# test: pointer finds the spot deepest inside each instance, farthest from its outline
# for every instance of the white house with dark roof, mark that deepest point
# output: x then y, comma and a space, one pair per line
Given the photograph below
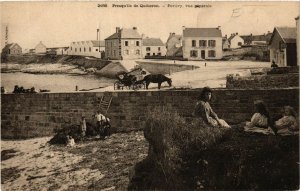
124, 44
282, 46
202, 43
40, 48
87, 48
153, 47
235, 41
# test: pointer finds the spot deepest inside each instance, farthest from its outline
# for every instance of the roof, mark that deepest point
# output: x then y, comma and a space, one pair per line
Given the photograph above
9, 46
288, 34
249, 38
96, 43
152, 42
125, 33
202, 32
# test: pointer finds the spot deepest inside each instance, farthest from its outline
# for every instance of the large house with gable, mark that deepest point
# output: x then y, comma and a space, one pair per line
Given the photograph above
124, 44
202, 43
174, 45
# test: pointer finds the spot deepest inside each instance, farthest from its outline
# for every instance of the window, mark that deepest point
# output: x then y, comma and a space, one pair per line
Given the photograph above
148, 48
158, 48
71, 47
148, 54
90, 49
137, 43
79, 49
194, 53
211, 43
193, 43
153, 54
114, 52
84, 49
240, 43
159, 54
211, 53
75, 49
137, 52
202, 43
126, 43
96, 50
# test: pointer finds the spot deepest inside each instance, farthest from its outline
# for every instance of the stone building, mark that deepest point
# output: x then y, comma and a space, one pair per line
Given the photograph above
40, 48
202, 43
124, 44
12, 49
92, 48
153, 47
282, 46
174, 45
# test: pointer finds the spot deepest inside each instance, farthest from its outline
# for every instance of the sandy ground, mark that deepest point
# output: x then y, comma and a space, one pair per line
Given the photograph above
92, 164
213, 75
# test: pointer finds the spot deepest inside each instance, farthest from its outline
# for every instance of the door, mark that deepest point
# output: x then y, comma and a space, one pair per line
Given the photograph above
203, 54
291, 54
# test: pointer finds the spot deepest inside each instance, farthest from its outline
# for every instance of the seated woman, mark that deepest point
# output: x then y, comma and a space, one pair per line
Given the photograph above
260, 121
205, 112
287, 125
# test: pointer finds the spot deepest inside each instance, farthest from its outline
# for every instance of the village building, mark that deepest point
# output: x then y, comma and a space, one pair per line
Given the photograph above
92, 48
40, 48
153, 47
12, 49
225, 42
298, 40
257, 40
174, 45
124, 44
283, 46
202, 43
235, 41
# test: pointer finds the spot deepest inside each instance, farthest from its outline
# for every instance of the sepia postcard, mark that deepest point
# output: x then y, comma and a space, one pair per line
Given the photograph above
149, 95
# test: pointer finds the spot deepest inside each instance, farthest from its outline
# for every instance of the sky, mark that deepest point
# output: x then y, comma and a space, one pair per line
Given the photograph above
59, 23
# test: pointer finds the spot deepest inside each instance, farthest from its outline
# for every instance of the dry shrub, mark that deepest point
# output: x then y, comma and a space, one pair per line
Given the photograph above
172, 138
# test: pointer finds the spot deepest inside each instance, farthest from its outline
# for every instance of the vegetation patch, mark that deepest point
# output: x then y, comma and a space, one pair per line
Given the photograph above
189, 155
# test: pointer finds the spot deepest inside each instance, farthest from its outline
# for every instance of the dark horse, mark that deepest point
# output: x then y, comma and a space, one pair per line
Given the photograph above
157, 78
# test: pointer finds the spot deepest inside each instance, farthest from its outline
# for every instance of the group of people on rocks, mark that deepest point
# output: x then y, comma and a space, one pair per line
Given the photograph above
21, 89
261, 121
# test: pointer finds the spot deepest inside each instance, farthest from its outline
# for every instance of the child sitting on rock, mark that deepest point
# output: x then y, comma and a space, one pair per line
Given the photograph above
287, 125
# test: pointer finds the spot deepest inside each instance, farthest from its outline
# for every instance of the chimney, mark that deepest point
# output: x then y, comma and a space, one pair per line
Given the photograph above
117, 29
236, 33
183, 28
134, 28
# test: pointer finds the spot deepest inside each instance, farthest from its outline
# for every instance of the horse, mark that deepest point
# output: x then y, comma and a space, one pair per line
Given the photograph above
157, 78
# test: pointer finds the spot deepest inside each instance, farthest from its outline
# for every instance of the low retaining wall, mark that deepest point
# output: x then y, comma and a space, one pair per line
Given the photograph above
29, 115
164, 68
263, 81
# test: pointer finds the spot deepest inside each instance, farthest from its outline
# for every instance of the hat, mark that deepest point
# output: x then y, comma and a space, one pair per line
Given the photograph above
290, 109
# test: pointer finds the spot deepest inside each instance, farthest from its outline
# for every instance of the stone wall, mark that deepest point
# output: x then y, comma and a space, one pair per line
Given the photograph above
263, 81
38, 114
